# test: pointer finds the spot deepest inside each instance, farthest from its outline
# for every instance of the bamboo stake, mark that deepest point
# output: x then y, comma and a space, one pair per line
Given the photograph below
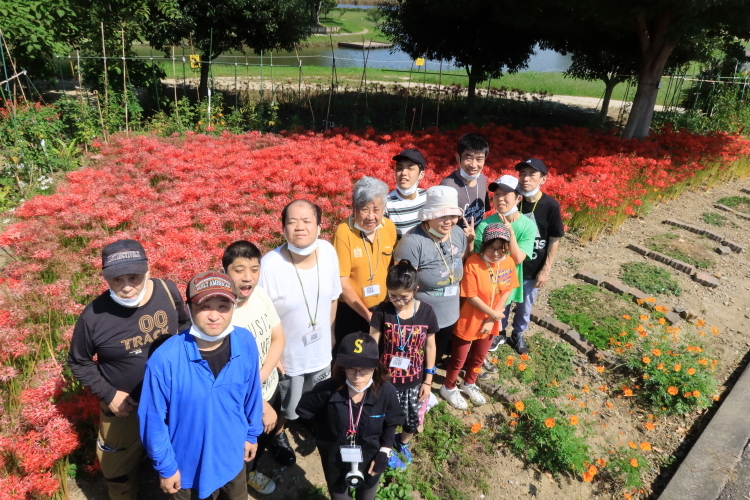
440, 81
101, 117
106, 81
125, 84
174, 76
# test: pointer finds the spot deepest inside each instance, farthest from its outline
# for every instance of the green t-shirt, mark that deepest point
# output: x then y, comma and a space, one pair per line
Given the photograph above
525, 231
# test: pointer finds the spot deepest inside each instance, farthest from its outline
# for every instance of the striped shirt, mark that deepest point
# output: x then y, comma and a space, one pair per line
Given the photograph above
404, 213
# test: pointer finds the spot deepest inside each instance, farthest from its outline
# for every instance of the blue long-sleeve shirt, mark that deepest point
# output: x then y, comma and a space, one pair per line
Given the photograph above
194, 422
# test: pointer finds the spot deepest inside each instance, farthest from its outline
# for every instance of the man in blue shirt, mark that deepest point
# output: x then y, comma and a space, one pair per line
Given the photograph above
201, 407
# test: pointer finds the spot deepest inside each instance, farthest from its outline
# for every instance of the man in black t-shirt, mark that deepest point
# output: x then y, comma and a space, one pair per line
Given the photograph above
121, 328
545, 212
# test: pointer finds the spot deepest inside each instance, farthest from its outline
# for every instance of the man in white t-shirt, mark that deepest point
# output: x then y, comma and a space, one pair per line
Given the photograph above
405, 202
255, 312
302, 279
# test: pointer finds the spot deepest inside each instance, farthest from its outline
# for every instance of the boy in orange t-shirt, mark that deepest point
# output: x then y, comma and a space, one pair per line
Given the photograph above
489, 278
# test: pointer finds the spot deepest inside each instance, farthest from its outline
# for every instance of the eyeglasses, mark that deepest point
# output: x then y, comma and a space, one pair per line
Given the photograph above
359, 370
400, 300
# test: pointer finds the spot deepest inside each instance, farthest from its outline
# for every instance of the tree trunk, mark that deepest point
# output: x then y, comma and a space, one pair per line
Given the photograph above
655, 50
609, 87
471, 96
205, 70
315, 13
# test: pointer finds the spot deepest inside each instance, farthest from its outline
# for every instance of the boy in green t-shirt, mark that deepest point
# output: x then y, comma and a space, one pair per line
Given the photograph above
505, 198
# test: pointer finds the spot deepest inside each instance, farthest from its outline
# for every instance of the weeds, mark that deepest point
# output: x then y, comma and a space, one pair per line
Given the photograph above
741, 203
649, 278
714, 219
678, 248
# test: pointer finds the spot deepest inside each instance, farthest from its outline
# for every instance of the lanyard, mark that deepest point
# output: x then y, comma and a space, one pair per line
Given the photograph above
453, 258
367, 251
494, 280
402, 347
353, 426
533, 208
468, 197
313, 320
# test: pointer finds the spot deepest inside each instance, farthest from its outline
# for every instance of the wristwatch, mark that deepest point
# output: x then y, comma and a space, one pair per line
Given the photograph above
431, 371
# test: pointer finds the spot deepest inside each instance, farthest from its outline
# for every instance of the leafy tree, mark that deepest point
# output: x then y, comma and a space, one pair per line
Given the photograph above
659, 29
478, 35
36, 30
218, 26
326, 6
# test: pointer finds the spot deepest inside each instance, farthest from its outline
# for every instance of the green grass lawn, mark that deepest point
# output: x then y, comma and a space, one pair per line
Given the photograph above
348, 21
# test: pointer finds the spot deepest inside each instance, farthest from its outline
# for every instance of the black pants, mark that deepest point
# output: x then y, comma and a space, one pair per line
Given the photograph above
442, 339
360, 494
236, 489
264, 438
348, 321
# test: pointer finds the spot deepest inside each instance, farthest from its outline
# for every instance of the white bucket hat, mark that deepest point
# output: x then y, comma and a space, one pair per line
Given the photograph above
441, 201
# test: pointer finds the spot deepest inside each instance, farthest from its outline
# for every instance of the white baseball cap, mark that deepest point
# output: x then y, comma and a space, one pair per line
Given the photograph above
507, 183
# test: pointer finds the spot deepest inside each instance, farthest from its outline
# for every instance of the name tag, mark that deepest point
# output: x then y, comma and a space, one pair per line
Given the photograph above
351, 454
399, 362
312, 337
369, 291
450, 291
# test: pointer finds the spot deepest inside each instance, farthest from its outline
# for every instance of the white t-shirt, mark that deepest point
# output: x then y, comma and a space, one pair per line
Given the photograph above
259, 316
307, 349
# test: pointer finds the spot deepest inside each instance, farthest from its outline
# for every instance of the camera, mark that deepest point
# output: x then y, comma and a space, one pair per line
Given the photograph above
354, 478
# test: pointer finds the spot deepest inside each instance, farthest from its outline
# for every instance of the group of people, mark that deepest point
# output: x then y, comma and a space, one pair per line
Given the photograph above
345, 337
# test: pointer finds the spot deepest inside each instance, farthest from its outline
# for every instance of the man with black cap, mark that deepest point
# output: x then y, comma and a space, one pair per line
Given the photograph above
405, 202
122, 327
505, 197
201, 409
354, 416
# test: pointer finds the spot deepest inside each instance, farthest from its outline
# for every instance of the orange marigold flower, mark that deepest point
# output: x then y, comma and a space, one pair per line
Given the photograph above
646, 376
601, 462
632, 445
661, 309
550, 423
660, 366
715, 330
688, 394
494, 361
650, 299
672, 390
571, 397
644, 317
627, 392
509, 362
525, 357
514, 414
639, 302
554, 382
713, 363
573, 420
656, 352
585, 389
677, 367
645, 446
588, 477
662, 321
628, 345
513, 423
696, 394
603, 388
476, 427
649, 426
634, 462
478, 369
703, 361
625, 316
609, 405
627, 496
522, 366
691, 371
519, 405
643, 333
600, 369
646, 359
593, 470
700, 323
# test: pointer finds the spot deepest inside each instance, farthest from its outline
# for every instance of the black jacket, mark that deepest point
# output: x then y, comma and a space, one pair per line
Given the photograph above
328, 410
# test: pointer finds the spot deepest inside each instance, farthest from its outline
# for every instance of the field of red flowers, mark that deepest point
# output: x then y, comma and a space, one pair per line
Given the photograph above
186, 198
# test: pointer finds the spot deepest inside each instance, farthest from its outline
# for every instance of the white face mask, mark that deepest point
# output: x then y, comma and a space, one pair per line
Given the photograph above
435, 233
357, 226
130, 302
511, 212
410, 191
532, 192
309, 249
359, 391
195, 332
467, 176
487, 259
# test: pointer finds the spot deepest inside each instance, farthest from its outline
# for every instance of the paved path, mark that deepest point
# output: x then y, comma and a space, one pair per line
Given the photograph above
342, 34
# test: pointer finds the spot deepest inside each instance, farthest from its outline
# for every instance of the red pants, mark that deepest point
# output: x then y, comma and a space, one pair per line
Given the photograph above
460, 350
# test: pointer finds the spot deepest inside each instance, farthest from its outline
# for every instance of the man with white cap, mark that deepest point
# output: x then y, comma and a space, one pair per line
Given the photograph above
302, 279
121, 328
437, 248
201, 408
505, 197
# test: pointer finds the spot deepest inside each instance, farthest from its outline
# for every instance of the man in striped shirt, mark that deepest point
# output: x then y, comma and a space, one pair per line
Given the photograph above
407, 199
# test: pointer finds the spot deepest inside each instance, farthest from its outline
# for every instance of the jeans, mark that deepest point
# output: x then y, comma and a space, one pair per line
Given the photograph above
522, 316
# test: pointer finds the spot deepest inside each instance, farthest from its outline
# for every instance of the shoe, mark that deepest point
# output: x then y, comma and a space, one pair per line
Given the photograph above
394, 462
488, 365
282, 451
497, 341
519, 344
473, 392
484, 376
403, 450
454, 398
260, 482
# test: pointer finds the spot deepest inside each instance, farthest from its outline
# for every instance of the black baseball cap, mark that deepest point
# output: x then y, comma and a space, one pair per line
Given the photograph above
534, 163
411, 155
123, 257
358, 350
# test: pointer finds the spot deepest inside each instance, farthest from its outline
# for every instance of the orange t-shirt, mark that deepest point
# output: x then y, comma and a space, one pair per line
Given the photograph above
477, 282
